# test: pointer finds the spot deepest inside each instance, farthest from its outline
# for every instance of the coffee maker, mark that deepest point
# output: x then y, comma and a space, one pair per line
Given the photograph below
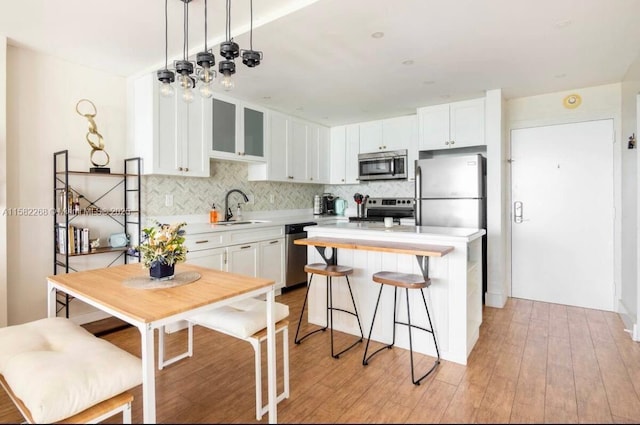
328, 204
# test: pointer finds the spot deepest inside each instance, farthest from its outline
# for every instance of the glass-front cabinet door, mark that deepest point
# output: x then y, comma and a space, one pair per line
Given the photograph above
238, 130
224, 127
253, 132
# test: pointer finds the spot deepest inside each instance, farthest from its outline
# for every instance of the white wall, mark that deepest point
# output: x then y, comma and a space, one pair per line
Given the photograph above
42, 92
598, 102
3, 182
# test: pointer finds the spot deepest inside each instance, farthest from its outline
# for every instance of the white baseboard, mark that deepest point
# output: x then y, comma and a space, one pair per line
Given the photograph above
495, 300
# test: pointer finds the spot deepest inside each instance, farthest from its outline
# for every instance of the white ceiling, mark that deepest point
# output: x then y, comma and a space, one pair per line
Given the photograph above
321, 62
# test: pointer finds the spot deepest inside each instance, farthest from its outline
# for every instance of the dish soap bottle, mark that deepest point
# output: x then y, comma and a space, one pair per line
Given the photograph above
239, 213
213, 214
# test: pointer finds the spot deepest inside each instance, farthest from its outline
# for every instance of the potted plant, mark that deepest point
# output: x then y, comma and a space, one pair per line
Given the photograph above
162, 247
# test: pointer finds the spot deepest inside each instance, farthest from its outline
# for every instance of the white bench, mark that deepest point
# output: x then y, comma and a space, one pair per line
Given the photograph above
56, 371
245, 320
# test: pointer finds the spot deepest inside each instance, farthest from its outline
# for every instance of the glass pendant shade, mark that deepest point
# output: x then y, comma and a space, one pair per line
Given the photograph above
166, 77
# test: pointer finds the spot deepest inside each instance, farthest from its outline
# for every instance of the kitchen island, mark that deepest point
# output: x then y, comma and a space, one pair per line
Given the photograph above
454, 297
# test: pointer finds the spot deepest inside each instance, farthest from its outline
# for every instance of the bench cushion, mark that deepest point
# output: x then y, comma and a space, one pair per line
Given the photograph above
58, 369
241, 319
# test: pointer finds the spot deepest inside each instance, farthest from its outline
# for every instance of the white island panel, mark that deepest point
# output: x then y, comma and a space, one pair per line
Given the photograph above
454, 297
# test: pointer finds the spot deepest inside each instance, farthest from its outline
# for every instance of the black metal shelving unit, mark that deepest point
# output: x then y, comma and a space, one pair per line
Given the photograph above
128, 217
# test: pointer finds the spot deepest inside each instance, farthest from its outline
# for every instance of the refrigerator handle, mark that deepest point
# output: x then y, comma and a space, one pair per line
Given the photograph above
418, 195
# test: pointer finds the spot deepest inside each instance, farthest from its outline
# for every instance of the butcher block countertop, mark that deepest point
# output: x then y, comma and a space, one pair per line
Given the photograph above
370, 245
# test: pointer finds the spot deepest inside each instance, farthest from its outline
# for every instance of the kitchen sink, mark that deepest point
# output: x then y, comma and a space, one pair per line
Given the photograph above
233, 223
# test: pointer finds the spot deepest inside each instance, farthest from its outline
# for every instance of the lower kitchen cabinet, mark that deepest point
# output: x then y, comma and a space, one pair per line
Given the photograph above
261, 253
243, 259
271, 260
210, 258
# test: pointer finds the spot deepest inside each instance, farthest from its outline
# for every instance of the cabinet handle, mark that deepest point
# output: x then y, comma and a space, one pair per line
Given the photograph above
272, 242
342, 180
310, 178
245, 247
452, 142
239, 153
224, 257
384, 147
179, 168
290, 177
446, 143
202, 241
186, 169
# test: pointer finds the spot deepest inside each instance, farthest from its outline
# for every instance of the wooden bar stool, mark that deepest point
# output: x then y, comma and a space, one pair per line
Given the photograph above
406, 281
330, 271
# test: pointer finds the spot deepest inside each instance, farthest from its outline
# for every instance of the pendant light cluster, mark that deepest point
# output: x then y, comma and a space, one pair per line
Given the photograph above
204, 71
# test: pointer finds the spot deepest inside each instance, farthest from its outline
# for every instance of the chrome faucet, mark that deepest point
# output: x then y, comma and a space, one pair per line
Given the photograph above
227, 210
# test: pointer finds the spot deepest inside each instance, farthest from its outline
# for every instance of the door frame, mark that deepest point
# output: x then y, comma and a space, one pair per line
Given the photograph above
615, 115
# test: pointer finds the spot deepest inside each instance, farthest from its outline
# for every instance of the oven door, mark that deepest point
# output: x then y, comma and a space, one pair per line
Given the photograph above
382, 168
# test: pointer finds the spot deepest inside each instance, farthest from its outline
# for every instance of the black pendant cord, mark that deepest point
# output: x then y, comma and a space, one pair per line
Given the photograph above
205, 26
228, 23
185, 43
166, 35
251, 25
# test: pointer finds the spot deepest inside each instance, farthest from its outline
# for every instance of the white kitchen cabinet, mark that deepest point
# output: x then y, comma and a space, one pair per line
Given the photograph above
371, 137
453, 125
317, 154
298, 152
255, 252
388, 134
344, 149
243, 259
211, 258
271, 260
170, 135
238, 130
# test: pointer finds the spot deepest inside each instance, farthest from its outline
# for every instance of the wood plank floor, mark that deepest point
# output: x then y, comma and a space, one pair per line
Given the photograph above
534, 363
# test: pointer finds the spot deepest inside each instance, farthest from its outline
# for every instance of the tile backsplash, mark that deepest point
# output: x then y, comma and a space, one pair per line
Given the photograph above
194, 195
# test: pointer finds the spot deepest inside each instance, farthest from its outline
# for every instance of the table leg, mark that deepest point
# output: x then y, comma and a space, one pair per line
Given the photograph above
51, 300
271, 357
148, 376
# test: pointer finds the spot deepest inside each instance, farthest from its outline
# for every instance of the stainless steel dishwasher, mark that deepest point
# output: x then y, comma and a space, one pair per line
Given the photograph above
295, 255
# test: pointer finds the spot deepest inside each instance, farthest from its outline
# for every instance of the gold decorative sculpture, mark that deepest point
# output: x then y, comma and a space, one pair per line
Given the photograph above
94, 138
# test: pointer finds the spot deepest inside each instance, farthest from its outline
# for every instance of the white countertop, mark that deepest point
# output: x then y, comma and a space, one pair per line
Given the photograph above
196, 224
373, 230
278, 220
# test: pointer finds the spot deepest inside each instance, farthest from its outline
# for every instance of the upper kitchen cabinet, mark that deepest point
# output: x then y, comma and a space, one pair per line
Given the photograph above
389, 134
345, 146
171, 136
238, 131
371, 137
297, 152
453, 125
317, 154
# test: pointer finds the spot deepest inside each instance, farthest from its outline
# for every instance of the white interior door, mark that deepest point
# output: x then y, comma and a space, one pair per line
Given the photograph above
562, 214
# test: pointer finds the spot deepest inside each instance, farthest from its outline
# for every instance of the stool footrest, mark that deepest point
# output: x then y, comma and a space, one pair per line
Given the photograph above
298, 341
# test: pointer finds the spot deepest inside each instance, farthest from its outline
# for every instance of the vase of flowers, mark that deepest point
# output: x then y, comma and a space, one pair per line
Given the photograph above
162, 247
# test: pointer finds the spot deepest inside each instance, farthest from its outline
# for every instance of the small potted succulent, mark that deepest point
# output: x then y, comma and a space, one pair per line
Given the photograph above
162, 247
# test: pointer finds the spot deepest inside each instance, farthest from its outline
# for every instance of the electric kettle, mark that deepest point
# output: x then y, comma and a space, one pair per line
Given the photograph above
340, 206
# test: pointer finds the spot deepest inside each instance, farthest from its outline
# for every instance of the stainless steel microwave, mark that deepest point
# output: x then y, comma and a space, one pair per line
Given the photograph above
389, 165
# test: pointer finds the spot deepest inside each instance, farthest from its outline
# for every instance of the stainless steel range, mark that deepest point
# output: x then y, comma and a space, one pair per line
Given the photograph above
376, 209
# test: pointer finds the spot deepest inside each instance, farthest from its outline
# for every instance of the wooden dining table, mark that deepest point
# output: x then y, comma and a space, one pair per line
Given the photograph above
150, 309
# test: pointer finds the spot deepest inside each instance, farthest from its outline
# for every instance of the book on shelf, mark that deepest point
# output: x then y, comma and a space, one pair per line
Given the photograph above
78, 239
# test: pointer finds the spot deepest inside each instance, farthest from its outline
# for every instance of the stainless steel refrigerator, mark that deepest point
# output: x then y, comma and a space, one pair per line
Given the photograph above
451, 192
